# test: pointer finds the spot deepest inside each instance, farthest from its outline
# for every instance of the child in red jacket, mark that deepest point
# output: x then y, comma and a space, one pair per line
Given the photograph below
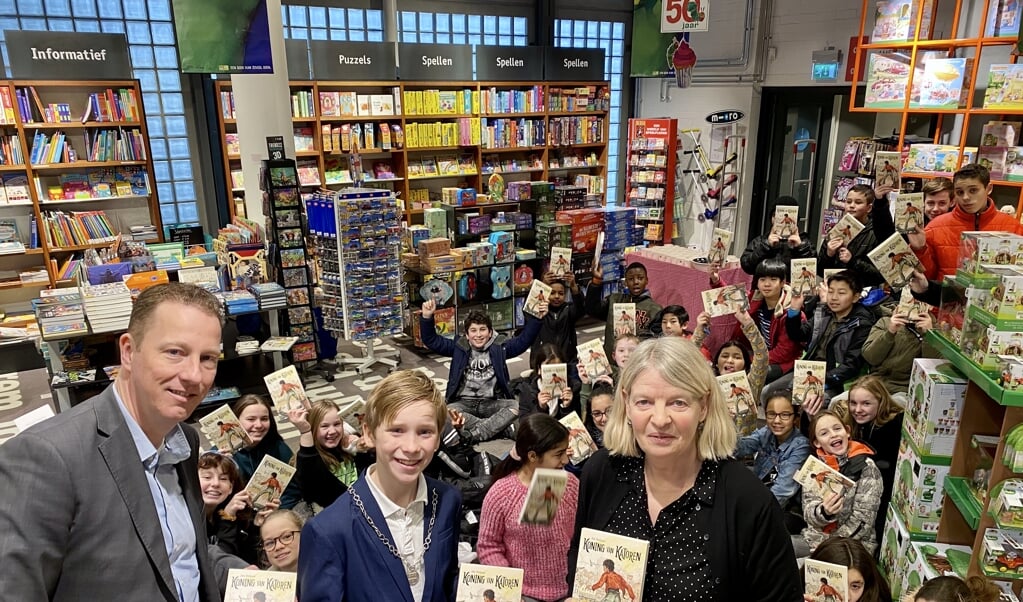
767, 307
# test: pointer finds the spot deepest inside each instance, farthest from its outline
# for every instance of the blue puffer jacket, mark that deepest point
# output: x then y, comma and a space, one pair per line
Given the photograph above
458, 350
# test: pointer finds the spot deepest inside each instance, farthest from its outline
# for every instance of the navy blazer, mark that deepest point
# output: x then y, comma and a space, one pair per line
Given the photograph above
341, 557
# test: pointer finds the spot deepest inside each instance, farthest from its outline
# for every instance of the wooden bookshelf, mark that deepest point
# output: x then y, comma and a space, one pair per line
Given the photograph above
534, 160
971, 44
74, 96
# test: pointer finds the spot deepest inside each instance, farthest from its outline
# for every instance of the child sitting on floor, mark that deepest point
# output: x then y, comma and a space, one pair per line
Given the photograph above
478, 384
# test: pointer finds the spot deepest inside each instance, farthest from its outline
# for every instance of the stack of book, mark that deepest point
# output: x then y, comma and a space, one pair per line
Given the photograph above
239, 302
107, 306
246, 345
60, 313
270, 295
146, 232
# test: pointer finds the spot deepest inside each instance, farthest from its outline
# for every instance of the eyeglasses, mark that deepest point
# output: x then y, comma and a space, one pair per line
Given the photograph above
283, 538
782, 415
598, 415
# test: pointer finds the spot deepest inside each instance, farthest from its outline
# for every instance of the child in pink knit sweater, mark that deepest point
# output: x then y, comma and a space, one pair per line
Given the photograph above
541, 551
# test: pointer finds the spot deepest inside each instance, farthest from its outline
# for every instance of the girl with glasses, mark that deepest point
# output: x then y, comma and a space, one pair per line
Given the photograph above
281, 535
778, 450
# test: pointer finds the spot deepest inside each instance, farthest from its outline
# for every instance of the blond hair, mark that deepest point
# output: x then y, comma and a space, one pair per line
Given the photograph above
887, 409
317, 414
681, 365
400, 390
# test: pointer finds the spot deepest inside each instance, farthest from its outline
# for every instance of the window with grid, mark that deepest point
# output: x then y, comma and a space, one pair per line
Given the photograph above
326, 23
458, 28
609, 35
154, 59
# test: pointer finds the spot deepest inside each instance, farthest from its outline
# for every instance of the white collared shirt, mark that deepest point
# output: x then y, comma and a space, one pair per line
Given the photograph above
407, 527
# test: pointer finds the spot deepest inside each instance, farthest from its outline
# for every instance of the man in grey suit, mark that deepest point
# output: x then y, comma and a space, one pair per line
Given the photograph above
102, 502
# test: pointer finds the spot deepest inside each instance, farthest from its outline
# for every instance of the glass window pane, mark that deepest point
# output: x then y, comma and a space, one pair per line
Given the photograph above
284, 15
151, 102
408, 21
458, 23
317, 16
356, 35
154, 122
443, 22
141, 56
184, 191
490, 40
112, 26
188, 213
170, 81
182, 169
7, 23
504, 40
147, 80
165, 190
176, 126
338, 35
162, 170
356, 18
109, 9
337, 17
375, 36
475, 24
319, 34
169, 211
133, 9
87, 25
426, 37
425, 22
159, 10
33, 24
409, 37
158, 146
163, 33
298, 33
375, 20
173, 103
166, 57
443, 38
82, 8
459, 38
30, 7
58, 8
489, 24
178, 148
297, 16
138, 33
61, 25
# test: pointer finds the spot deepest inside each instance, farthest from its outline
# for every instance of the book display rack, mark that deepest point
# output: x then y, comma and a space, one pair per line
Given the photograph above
651, 176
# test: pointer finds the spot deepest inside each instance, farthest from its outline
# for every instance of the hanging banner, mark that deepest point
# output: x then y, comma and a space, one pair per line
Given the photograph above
684, 15
652, 47
223, 36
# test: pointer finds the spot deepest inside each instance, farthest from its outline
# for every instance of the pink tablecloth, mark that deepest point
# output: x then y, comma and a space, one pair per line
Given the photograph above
674, 284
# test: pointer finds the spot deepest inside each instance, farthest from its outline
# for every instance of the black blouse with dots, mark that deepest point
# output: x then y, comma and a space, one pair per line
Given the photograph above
678, 568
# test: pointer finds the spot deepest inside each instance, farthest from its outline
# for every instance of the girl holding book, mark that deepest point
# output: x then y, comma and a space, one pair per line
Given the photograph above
866, 584
851, 512
256, 416
326, 463
229, 518
533, 399
393, 535
540, 550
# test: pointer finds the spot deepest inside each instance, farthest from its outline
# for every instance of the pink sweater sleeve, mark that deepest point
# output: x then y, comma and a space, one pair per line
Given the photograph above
496, 509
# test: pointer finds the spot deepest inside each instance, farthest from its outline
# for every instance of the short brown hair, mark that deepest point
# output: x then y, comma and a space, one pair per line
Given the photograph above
936, 185
973, 171
866, 190
172, 292
217, 461
399, 390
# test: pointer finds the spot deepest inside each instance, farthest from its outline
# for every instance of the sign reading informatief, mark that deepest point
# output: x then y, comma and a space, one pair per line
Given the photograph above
509, 63
353, 61
67, 55
574, 64
434, 62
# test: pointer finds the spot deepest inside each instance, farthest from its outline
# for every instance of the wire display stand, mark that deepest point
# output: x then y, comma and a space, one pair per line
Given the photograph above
710, 182
358, 238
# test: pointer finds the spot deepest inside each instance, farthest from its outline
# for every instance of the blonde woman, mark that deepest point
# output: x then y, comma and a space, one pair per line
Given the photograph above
715, 531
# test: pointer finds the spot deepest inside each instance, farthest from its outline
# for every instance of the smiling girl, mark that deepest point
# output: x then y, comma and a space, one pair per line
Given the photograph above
848, 514
226, 506
866, 584
256, 416
326, 466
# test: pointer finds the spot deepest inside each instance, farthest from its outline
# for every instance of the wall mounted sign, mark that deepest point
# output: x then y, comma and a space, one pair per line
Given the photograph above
723, 117
509, 63
424, 62
353, 61
68, 55
574, 64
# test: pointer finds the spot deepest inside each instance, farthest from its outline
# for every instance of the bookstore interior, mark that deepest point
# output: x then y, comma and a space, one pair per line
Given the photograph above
472, 178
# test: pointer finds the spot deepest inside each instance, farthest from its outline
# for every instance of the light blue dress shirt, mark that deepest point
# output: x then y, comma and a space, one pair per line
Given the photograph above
169, 499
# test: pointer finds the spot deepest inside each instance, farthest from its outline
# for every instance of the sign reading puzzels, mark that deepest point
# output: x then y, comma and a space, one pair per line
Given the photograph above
509, 63
67, 55
353, 61
434, 62
574, 64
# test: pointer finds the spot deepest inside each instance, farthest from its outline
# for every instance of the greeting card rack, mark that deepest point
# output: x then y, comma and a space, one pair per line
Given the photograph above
289, 264
358, 241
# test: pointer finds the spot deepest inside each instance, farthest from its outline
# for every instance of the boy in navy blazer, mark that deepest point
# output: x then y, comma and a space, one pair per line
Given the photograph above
394, 534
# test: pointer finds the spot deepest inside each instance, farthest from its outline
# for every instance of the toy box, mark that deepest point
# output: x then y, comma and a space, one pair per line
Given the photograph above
1007, 504
1014, 164
1010, 372
1000, 133
1002, 554
433, 247
929, 560
1006, 299
894, 550
436, 220
919, 490
504, 246
1004, 87
895, 20
482, 253
414, 234
994, 159
978, 248
931, 158
984, 344
936, 394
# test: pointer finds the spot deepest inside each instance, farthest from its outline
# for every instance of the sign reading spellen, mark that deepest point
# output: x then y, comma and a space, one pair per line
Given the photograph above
509, 63
67, 55
353, 61
574, 64
433, 62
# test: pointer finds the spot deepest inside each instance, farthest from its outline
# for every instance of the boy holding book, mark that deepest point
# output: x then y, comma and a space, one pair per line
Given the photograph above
478, 382
394, 534
635, 292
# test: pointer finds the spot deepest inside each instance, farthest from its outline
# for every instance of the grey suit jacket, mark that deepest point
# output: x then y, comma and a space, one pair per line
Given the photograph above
77, 519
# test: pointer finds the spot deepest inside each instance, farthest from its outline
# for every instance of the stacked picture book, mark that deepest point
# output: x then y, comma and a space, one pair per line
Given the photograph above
107, 306
239, 302
270, 295
60, 313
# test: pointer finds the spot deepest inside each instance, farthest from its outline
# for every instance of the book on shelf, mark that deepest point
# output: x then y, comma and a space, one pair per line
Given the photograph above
945, 83
1003, 19
232, 144
7, 116
309, 173
302, 104
1004, 87
609, 564
304, 140
227, 109
895, 20
71, 228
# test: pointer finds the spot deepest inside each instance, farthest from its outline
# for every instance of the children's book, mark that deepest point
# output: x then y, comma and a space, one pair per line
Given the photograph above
909, 308
725, 300
546, 489
553, 380
353, 412
887, 169
909, 211
815, 475
825, 582
224, 430
591, 354
803, 276
720, 242
561, 261
741, 402
286, 389
624, 318
489, 583
580, 444
609, 563
785, 222
895, 260
942, 83
269, 481
831, 272
278, 344
430, 166
847, 228
245, 585
539, 293
807, 380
